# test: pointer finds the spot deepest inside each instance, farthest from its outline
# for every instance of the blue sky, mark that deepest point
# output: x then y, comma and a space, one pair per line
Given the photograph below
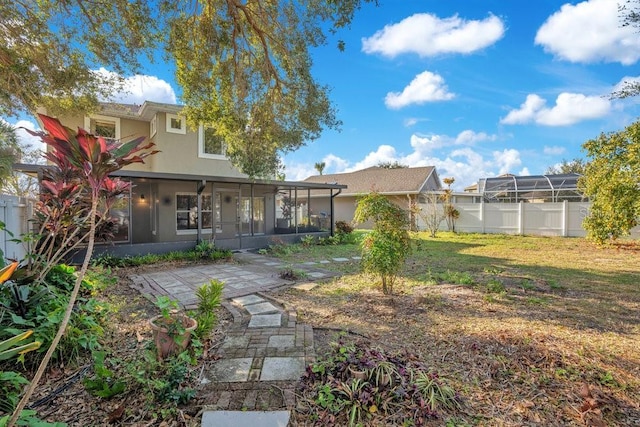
475, 88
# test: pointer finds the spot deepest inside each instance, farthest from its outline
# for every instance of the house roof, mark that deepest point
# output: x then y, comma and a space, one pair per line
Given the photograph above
146, 111
383, 180
34, 169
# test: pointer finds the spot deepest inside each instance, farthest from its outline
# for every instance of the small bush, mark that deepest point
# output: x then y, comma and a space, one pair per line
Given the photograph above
344, 227
209, 297
290, 273
307, 240
208, 250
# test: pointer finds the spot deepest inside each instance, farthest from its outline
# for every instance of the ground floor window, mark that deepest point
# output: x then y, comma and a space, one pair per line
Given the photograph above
257, 220
187, 211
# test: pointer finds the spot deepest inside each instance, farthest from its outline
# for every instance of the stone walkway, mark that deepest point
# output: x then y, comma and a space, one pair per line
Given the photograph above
265, 351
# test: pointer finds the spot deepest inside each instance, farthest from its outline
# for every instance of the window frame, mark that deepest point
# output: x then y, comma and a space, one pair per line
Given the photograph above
201, 153
153, 126
207, 230
182, 130
89, 121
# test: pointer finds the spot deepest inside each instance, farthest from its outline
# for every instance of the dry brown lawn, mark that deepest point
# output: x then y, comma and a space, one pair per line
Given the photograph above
529, 330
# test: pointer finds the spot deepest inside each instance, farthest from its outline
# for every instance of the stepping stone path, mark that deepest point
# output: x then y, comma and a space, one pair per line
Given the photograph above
258, 364
260, 361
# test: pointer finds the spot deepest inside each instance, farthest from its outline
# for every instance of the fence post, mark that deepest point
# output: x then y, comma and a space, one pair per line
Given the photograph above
521, 217
482, 215
565, 218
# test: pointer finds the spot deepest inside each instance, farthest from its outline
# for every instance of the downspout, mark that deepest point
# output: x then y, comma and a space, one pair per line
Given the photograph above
332, 210
201, 187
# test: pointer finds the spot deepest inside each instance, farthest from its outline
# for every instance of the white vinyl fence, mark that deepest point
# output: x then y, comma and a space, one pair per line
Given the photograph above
543, 219
15, 213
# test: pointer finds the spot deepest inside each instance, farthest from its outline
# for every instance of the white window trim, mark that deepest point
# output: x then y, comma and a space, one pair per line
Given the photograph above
191, 230
153, 126
201, 152
183, 128
87, 123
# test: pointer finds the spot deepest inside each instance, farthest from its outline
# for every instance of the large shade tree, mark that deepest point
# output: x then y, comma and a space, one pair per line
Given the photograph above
244, 66
612, 183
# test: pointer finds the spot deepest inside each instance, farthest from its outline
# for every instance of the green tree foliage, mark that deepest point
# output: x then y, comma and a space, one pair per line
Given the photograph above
319, 166
612, 183
9, 150
576, 165
244, 66
48, 50
385, 249
392, 165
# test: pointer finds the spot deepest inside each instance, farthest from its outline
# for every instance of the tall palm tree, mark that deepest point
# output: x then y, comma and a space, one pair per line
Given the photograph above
320, 167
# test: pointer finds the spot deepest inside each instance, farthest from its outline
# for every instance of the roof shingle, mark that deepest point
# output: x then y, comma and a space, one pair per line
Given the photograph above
382, 180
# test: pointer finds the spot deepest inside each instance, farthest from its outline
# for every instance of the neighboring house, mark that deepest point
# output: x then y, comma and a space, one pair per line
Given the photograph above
190, 191
404, 186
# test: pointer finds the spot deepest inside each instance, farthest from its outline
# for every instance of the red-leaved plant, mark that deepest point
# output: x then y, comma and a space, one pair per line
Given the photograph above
76, 197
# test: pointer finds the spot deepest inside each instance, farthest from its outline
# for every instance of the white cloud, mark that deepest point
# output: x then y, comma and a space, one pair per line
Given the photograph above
384, 153
140, 88
427, 35
469, 137
590, 31
463, 163
506, 160
527, 111
335, 163
553, 151
412, 121
570, 108
24, 137
425, 87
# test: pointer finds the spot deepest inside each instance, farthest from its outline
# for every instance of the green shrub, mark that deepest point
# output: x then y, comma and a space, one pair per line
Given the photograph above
385, 249
209, 297
307, 240
343, 227
208, 250
41, 308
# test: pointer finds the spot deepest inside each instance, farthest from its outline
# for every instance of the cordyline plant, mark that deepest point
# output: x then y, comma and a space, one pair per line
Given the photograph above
77, 197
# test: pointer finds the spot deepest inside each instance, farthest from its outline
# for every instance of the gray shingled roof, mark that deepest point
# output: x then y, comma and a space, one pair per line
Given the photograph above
382, 180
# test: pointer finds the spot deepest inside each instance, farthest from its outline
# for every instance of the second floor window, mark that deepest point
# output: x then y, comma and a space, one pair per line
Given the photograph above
211, 145
176, 124
104, 126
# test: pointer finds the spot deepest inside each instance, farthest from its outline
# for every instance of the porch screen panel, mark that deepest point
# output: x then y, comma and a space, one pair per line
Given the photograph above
120, 216
258, 215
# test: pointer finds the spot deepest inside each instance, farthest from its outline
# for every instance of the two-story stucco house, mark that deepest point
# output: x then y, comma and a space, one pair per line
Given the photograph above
191, 192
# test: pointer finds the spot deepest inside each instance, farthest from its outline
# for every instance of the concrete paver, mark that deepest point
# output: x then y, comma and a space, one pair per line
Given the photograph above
282, 368
245, 419
281, 341
265, 321
231, 370
261, 308
265, 347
